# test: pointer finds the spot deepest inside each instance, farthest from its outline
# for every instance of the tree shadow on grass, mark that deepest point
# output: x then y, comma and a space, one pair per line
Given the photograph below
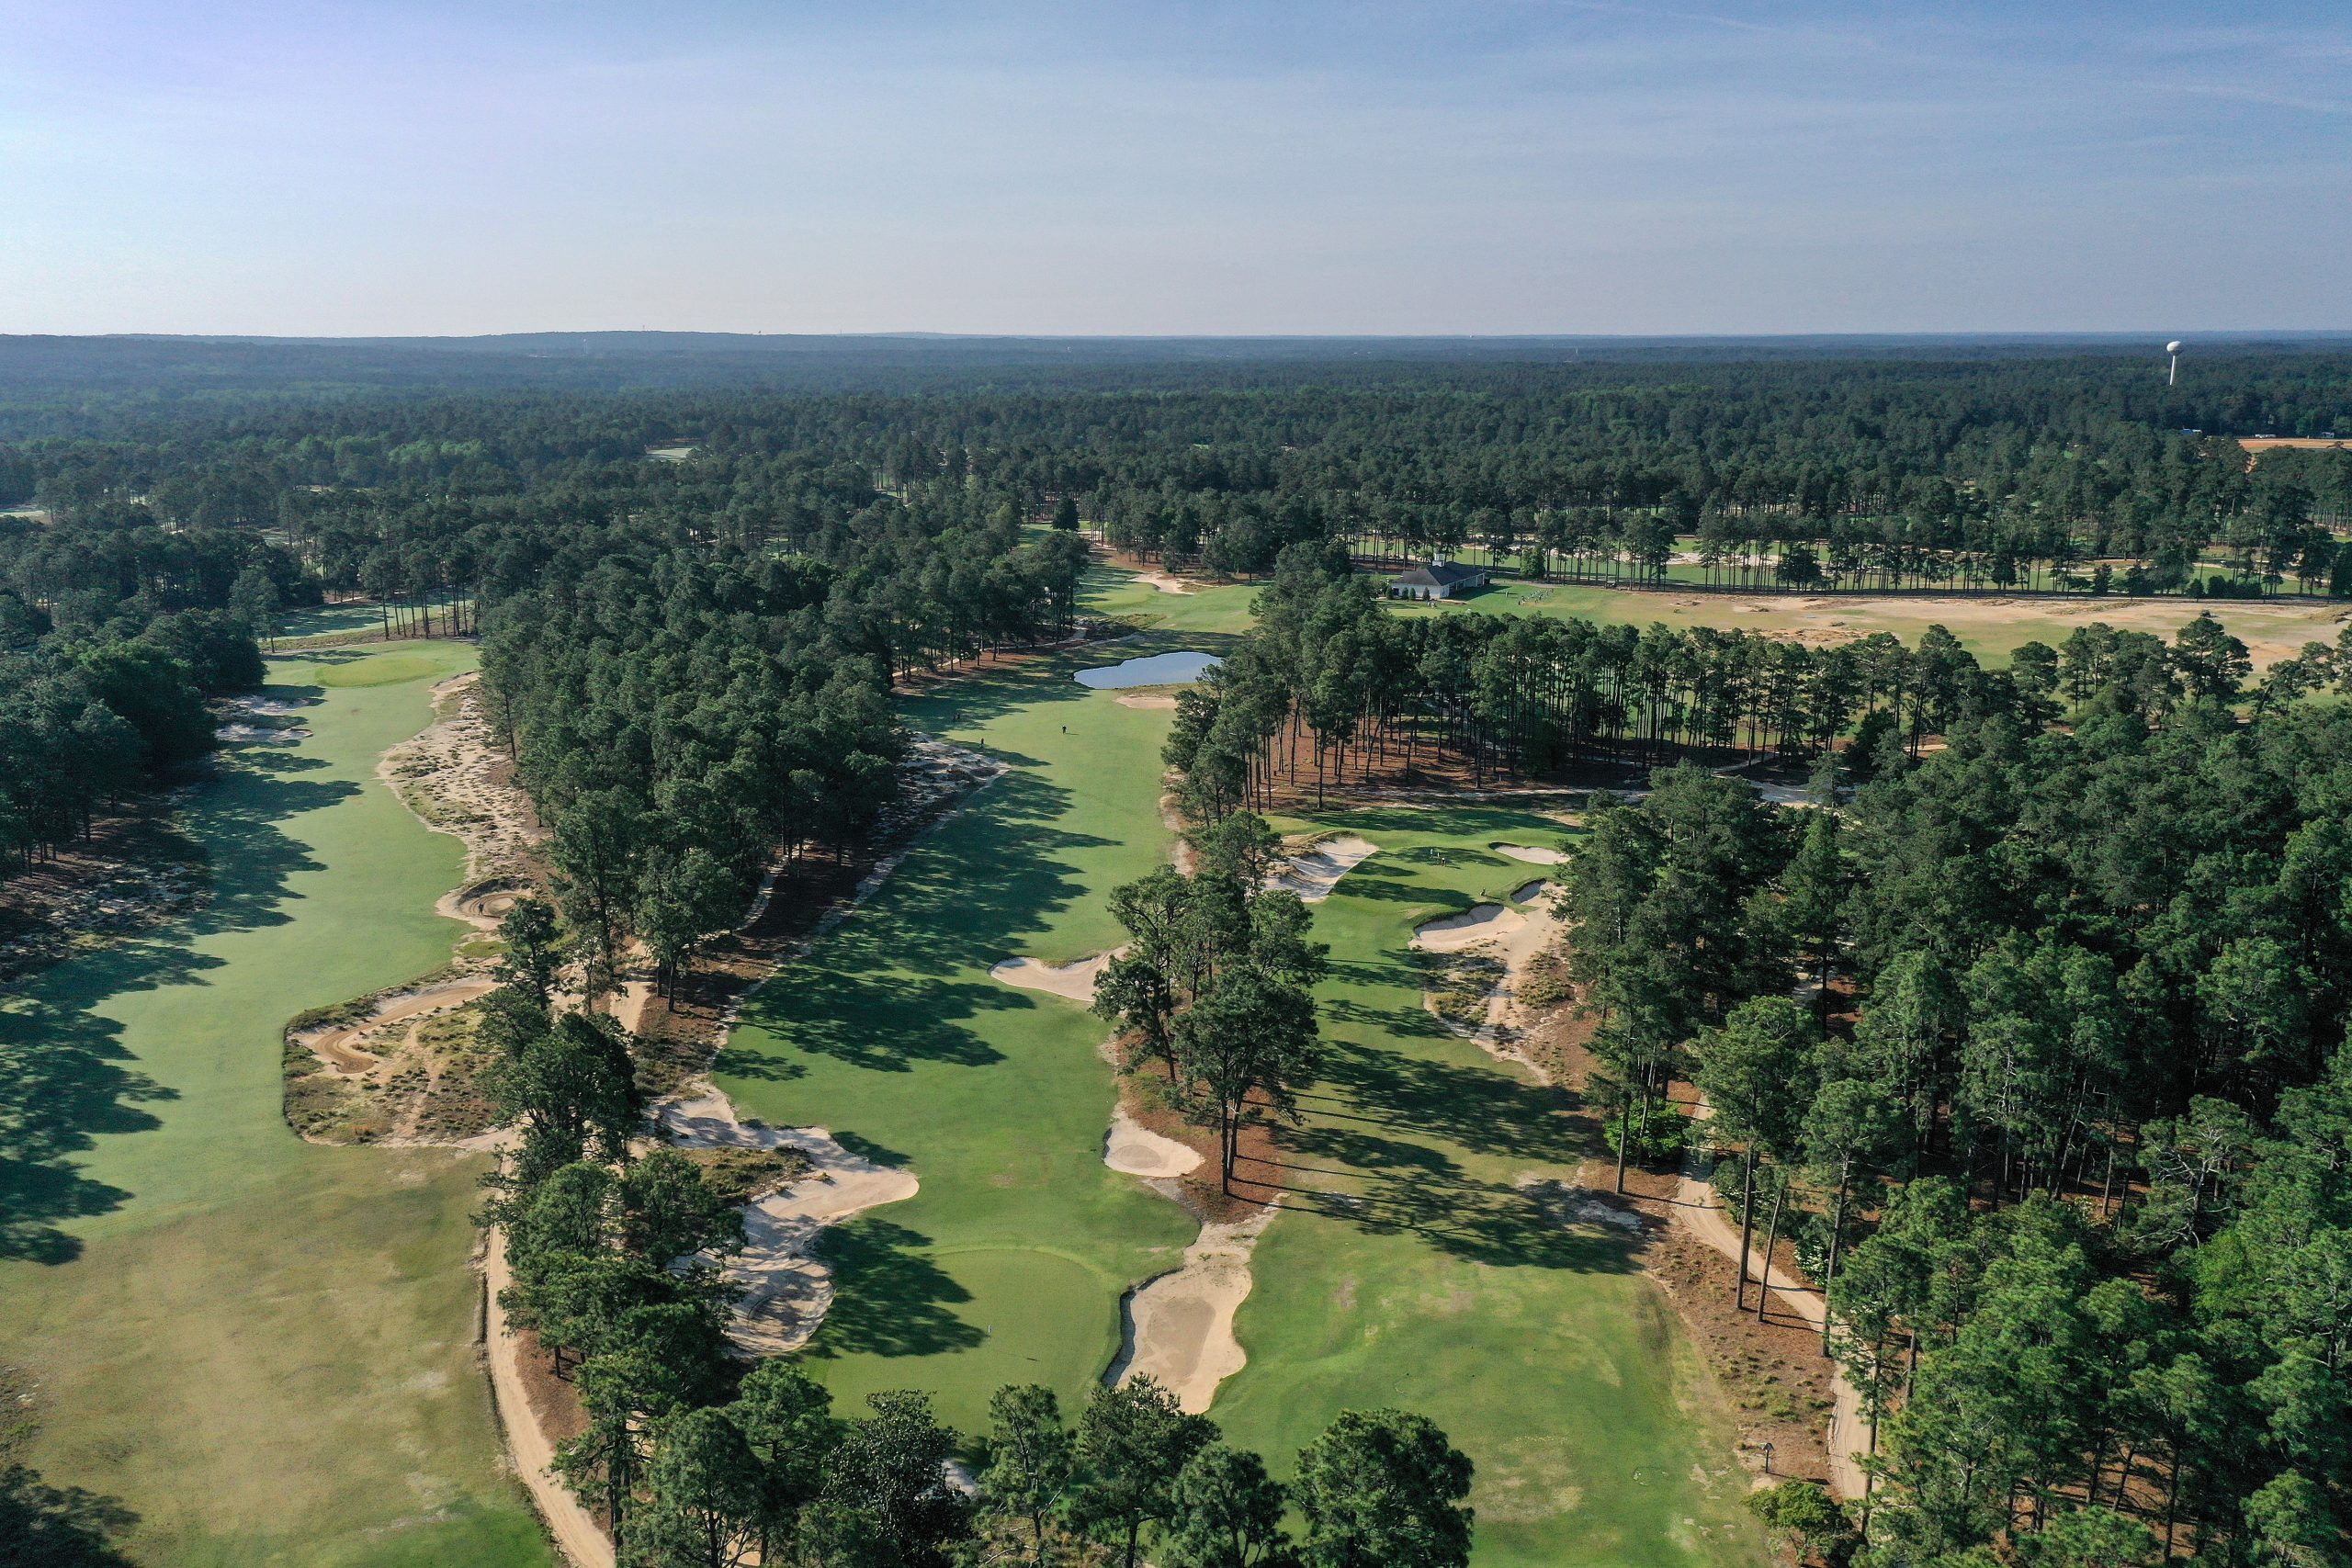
58, 1527
898, 982
889, 1298
66, 1077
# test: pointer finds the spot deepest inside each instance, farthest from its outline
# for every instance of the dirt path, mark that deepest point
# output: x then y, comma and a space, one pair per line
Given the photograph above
575, 1530
1695, 1210
339, 1047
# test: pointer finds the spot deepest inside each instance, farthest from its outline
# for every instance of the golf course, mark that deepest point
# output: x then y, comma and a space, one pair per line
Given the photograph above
1423, 1256
264, 1350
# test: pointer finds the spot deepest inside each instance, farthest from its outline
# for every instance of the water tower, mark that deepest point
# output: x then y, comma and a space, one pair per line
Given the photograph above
2171, 350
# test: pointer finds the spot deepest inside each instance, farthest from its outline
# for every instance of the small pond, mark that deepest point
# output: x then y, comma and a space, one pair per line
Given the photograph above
1159, 670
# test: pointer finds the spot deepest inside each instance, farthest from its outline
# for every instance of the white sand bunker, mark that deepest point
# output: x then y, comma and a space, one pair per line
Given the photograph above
1483, 922
1532, 854
786, 1291
1074, 982
1164, 582
259, 735
1133, 1149
1180, 1326
1529, 892
273, 707
1147, 700
1313, 874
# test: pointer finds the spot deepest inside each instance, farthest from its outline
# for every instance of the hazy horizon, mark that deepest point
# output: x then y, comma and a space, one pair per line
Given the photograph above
1495, 168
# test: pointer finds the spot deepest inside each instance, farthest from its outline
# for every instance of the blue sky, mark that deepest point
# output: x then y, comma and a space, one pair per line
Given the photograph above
1521, 167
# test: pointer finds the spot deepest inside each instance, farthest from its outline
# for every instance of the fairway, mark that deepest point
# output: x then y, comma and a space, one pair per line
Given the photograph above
263, 1348
1413, 1265
1009, 1264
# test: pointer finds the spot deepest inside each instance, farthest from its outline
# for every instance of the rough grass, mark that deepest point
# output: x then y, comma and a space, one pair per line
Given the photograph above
261, 1347
1425, 1261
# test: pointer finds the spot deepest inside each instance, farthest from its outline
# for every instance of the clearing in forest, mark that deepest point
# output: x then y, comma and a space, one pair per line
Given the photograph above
1992, 628
261, 1347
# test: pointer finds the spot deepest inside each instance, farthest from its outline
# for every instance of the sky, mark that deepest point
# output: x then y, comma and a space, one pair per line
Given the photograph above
1283, 166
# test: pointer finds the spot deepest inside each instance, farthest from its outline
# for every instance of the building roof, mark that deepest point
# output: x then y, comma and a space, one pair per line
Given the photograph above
1441, 574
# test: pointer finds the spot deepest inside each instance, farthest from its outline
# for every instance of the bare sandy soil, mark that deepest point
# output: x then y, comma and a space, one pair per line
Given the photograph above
786, 1289
342, 1049
575, 1531
1695, 1209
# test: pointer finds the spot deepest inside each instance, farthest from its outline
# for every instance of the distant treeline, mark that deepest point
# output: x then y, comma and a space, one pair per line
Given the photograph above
1331, 686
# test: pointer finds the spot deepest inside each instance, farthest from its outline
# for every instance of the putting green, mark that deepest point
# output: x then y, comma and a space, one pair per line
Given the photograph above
1412, 1266
263, 1348
1009, 1264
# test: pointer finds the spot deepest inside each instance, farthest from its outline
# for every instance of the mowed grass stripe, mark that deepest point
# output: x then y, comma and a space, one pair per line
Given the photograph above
263, 1348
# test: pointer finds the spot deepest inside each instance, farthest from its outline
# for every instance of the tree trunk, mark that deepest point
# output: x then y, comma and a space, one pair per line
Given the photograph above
1771, 1234
1746, 1228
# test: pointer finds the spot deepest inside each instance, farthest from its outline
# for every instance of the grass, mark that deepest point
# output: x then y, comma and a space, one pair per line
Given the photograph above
1413, 1265
263, 1348
1992, 628
1009, 1264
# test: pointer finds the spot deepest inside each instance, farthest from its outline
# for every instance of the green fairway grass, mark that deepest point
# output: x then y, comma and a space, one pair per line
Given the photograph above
1411, 1268
1009, 1264
1209, 607
264, 1350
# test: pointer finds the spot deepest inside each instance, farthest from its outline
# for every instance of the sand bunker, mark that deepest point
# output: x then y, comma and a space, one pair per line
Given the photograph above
1529, 892
237, 734
1180, 1326
1313, 874
1164, 582
488, 905
1074, 982
1147, 700
1483, 922
784, 1290
1532, 854
1133, 1149
338, 1047
272, 707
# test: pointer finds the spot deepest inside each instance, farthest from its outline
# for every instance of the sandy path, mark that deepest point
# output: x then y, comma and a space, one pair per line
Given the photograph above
1481, 922
1696, 1210
1179, 1327
786, 1289
1532, 854
1073, 982
1313, 873
336, 1045
1133, 1149
575, 1531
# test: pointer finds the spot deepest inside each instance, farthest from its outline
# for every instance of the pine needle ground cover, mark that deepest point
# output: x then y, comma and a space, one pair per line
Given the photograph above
261, 1347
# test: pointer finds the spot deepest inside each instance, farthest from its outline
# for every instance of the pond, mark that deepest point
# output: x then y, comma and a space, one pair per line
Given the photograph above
1159, 670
